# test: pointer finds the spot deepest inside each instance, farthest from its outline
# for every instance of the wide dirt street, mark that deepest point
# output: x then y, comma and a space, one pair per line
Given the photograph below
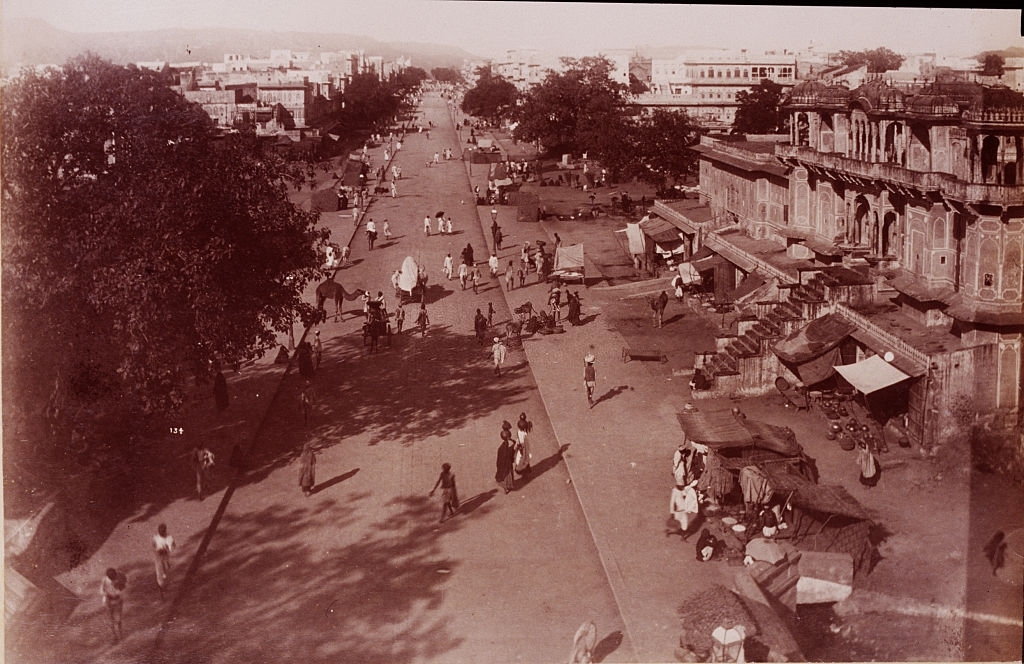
361, 570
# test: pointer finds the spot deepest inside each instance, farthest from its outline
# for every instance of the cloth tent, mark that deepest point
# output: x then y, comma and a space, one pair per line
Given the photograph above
825, 518
409, 276
569, 262
499, 176
688, 274
636, 239
813, 350
871, 374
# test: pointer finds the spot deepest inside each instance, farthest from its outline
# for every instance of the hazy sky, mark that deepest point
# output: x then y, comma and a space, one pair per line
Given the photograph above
489, 28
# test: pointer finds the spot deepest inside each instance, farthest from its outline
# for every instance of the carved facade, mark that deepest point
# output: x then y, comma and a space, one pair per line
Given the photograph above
919, 193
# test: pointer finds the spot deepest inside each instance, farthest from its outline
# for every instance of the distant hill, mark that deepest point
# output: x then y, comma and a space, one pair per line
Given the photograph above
33, 42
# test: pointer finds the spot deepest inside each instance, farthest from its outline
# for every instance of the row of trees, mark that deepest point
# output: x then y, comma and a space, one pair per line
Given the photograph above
140, 247
370, 101
580, 109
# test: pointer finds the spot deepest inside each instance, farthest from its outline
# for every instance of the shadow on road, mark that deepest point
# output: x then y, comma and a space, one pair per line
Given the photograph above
607, 646
334, 480
611, 394
541, 467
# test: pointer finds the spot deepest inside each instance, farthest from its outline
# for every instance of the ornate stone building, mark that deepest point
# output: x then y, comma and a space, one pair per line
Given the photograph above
899, 214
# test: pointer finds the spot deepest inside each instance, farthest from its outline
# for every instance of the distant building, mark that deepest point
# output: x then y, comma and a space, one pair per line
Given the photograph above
898, 215
705, 84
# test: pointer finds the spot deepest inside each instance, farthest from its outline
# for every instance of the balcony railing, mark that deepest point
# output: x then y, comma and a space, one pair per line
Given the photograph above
950, 185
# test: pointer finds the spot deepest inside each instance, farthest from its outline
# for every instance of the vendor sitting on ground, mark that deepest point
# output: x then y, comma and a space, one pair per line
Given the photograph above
699, 381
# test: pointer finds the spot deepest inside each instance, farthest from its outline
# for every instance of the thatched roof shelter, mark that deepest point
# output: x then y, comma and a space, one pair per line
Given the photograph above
703, 611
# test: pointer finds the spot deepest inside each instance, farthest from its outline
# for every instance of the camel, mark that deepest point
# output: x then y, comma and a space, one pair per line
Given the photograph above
331, 289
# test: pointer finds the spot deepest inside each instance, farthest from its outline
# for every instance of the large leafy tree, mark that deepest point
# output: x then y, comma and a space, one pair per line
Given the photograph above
492, 97
446, 75
663, 139
878, 60
369, 101
992, 64
572, 109
138, 247
758, 111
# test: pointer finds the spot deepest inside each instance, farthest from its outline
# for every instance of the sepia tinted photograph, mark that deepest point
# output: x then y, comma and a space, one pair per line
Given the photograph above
458, 332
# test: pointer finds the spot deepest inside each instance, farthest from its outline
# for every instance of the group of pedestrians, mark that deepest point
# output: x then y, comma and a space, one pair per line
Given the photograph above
445, 226
514, 456
114, 583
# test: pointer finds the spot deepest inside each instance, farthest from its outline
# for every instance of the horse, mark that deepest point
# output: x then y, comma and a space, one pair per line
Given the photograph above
331, 289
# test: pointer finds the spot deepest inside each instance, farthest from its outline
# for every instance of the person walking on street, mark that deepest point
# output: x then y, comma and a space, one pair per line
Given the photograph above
371, 233
422, 319
475, 278
396, 278
555, 302
318, 349
394, 189
386, 230
400, 316
440, 225
523, 455
355, 212
448, 266
524, 257
304, 357
498, 237
498, 351
163, 546
480, 327
306, 401
220, 391
510, 276
463, 274
468, 255
490, 314
493, 264
112, 591
503, 465
522, 276
589, 375
202, 462
426, 225
449, 494
448, 225
307, 468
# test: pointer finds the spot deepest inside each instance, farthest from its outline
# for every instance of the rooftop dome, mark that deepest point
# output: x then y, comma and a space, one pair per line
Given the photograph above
877, 95
933, 105
816, 93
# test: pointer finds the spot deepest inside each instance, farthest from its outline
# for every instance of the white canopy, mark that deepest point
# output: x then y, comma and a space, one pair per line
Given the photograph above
410, 273
688, 274
871, 374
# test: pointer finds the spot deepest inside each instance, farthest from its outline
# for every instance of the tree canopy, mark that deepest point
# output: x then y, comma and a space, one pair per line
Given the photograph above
878, 60
368, 100
492, 97
992, 64
575, 109
446, 75
138, 247
662, 144
758, 111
